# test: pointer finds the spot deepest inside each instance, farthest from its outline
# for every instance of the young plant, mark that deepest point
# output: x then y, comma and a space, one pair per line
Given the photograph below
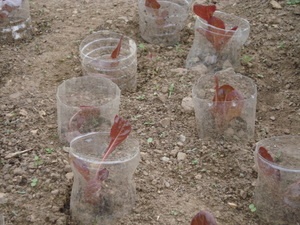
216, 33
266, 169
291, 195
116, 52
227, 104
204, 218
155, 7
8, 6
92, 193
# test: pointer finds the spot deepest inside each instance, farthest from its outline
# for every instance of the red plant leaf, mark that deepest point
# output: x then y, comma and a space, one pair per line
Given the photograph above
223, 108
118, 133
81, 167
216, 33
115, 54
265, 168
204, 11
204, 218
161, 18
152, 4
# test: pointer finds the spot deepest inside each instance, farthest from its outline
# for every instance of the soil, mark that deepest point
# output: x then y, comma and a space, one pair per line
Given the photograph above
179, 174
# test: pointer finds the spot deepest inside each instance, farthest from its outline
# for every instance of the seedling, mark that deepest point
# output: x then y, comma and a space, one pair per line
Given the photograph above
171, 89
149, 123
246, 59
266, 169
155, 7
178, 48
195, 162
34, 182
215, 33
142, 46
92, 193
174, 213
37, 161
282, 44
293, 2
141, 97
49, 150
260, 75
227, 104
149, 140
116, 52
204, 218
252, 208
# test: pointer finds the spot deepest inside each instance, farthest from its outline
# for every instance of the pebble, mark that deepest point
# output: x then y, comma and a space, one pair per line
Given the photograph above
187, 104
165, 89
166, 122
180, 71
198, 177
179, 143
175, 151
55, 192
181, 156
165, 159
3, 198
18, 171
275, 5
272, 118
167, 184
182, 138
232, 204
199, 69
15, 95
286, 131
69, 176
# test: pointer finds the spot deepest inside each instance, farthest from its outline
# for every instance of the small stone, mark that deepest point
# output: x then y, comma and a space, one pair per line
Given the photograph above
162, 98
180, 71
232, 204
187, 104
275, 5
179, 143
165, 89
243, 194
272, 118
66, 149
34, 132
286, 131
166, 122
15, 95
167, 184
182, 138
145, 173
69, 176
198, 177
174, 152
3, 198
165, 159
199, 69
55, 192
18, 171
181, 156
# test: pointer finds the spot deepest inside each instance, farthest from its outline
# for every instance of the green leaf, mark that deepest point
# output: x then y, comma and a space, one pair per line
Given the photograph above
34, 182
252, 207
150, 140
